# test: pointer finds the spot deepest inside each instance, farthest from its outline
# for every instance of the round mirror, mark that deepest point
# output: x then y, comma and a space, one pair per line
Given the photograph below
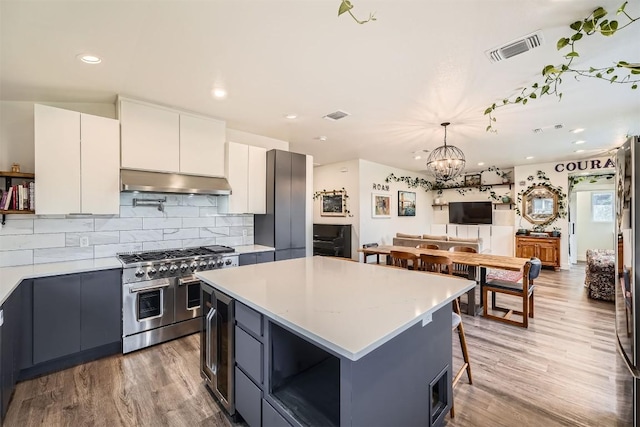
539, 205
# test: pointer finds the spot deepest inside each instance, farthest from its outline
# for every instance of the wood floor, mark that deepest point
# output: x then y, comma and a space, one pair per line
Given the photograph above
562, 371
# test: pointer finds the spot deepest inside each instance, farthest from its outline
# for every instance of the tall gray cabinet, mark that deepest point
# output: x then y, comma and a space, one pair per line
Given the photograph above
283, 225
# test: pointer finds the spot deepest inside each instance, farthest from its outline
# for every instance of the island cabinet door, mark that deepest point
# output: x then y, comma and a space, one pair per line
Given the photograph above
271, 417
248, 399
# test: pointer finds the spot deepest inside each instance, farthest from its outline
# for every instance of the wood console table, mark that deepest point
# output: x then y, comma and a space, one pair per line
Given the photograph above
547, 249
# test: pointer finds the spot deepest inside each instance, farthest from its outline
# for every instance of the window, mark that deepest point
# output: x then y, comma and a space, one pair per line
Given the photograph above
602, 206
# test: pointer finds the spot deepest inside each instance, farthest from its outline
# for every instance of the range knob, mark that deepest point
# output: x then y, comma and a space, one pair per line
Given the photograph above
203, 264
151, 272
163, 269
212, 263
219, 263
193, 266
173, 268
228, 262
183, 267
139, 273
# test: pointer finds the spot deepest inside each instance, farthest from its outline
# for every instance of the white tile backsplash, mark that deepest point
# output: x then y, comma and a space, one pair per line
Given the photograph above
95, 238
47, 225
132, 236
187, 221
41, 256
17, 226
179, 234
13, 258
158, 223
32, 241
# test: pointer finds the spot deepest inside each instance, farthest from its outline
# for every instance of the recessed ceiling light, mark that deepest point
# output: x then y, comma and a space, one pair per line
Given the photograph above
89, 59
529, 157
578, 130
579, 151
417, 157
219, 93
321, 138
480, 163
291, 116
579, 142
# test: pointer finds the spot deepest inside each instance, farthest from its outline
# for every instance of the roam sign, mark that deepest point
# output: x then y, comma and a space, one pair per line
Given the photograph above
584, 165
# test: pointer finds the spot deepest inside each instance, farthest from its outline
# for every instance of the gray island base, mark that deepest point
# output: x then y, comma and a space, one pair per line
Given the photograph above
335, 343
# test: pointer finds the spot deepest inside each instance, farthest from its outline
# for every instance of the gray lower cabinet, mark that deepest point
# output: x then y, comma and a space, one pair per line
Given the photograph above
9, 348
271, 417
75, 312
249, 370
248, 399
256, 258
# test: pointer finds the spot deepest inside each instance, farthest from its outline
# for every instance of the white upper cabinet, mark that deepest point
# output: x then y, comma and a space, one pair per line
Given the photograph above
246, 170
150, 137
57, 160
76, 162
99, 165
202, 145
161, 139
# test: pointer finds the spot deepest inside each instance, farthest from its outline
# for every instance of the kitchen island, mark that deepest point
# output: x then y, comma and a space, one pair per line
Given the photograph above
341, 343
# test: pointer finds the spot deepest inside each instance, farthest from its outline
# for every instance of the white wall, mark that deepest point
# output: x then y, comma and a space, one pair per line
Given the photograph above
16, 129
247, 138
335, 176
382, 230
590, 234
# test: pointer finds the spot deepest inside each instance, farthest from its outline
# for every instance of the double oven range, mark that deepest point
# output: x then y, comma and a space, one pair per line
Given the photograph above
161, 295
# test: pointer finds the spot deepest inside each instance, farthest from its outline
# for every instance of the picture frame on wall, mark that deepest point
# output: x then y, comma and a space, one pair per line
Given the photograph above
406, 203
380, 205
333, 204
474, 180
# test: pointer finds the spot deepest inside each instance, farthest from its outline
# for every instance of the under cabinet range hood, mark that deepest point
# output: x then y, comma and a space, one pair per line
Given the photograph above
160, 182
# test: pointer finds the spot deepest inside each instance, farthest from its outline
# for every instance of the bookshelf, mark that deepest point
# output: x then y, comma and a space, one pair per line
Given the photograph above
8, 180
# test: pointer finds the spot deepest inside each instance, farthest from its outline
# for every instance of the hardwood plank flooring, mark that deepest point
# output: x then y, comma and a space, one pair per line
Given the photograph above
562, 371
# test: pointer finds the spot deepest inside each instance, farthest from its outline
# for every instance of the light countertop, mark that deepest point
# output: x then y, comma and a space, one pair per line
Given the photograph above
10, 277
350, 308
248, 249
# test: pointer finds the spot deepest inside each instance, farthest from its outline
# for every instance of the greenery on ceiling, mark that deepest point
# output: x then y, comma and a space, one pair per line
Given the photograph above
343, 192
622, 72
592, 179
346, 6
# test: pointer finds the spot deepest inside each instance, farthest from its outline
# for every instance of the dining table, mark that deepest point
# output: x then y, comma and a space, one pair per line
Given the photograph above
479, 261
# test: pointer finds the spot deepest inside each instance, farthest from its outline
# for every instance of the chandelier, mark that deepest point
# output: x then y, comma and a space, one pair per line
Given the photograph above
446, 162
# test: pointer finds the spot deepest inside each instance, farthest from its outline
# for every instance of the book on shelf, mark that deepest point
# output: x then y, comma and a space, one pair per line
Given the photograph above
18, 197
7, 201
3, 199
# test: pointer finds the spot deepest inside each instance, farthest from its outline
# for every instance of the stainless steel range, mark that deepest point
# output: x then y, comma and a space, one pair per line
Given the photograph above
161, 295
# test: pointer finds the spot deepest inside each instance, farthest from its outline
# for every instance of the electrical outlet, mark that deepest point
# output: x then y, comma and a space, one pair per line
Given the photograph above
244, 232
84, 241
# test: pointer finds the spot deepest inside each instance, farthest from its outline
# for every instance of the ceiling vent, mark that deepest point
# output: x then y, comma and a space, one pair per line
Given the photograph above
516, 47
537, 130
336, 115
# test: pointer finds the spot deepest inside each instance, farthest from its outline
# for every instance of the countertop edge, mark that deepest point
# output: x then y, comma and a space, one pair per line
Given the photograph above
250, 249
329, 345
11, 277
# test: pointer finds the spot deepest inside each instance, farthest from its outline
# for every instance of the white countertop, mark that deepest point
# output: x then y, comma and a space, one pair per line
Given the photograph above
348, 307
10, 277
248, 249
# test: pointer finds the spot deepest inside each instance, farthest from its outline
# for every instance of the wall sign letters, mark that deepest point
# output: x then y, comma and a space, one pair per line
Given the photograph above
381, 187
583, 165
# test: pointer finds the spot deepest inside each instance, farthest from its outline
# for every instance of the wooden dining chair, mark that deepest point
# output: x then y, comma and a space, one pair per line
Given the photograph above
404, 259
427, 246
523, 290
437, 264
462, 270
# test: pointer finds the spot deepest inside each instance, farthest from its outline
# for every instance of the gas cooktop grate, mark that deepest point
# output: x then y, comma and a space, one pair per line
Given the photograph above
171, 254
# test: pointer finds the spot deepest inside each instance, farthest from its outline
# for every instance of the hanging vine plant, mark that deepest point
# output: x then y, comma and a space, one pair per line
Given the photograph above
577, 179
622, 72
345, 198
346, 6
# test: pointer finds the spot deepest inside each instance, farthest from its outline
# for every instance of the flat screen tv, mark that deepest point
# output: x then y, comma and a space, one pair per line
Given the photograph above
470, 213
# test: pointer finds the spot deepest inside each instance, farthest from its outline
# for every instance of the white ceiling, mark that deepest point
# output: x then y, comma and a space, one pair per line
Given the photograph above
421, 63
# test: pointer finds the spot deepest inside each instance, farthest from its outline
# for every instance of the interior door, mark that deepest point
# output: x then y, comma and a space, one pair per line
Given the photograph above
573, 238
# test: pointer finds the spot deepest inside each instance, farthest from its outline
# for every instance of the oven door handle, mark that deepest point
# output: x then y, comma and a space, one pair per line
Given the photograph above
211, 339
150, 287
188, 281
